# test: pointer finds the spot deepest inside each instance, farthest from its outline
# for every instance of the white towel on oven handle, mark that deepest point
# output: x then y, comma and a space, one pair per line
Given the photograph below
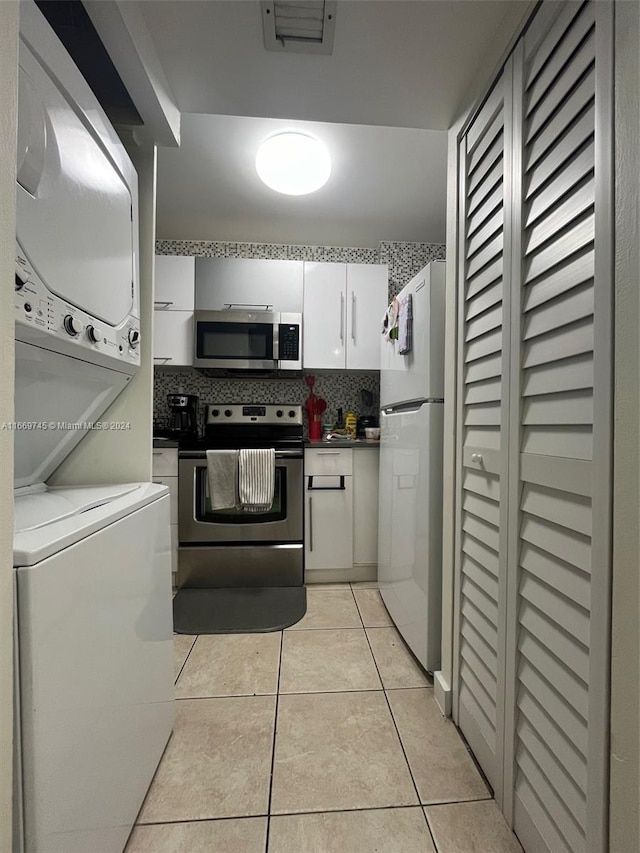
256, 478
222, 471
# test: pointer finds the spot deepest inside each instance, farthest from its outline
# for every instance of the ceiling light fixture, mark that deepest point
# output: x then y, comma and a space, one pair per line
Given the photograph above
293, 163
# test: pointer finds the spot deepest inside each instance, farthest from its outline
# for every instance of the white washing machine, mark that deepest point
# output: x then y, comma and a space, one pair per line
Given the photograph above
93, 570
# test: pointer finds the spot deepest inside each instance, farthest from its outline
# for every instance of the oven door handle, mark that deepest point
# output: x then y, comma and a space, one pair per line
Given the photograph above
312, 488
202, 454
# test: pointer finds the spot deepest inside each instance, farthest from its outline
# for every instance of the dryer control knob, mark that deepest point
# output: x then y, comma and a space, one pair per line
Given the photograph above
22, 277
134, 338
94, 334
73, 326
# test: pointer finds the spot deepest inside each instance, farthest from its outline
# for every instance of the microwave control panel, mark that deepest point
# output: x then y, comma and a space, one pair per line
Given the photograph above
289, 342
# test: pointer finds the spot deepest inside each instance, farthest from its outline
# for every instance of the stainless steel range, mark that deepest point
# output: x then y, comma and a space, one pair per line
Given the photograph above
235, 547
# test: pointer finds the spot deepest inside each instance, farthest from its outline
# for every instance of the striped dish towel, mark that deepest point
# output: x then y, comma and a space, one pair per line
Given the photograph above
256, 478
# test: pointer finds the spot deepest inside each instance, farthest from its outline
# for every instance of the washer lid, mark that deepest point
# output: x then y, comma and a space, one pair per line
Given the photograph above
74, 206
48, 522
34, 511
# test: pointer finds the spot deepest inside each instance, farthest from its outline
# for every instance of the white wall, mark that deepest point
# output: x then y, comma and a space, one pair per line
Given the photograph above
625, 681
125, 456
8, 106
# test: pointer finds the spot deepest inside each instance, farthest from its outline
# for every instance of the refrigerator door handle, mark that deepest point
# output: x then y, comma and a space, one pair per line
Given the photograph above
353, 316
342, 318
408, 408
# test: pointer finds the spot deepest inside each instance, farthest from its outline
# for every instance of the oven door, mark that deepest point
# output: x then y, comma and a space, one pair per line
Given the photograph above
236, 340
198, 523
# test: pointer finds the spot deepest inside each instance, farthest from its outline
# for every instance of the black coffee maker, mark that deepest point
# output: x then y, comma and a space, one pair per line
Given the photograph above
183, 415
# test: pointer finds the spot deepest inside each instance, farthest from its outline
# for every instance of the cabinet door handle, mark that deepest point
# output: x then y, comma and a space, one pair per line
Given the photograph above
312, 488
311, 524
328, 453
162, 304
342, 317
157, 452
163, 358
353, 316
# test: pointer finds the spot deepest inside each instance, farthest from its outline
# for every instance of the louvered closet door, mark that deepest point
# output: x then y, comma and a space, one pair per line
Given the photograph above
482, 438
555, 744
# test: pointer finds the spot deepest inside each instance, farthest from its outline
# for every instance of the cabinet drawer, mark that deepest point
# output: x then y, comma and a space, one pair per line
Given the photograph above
172, 483
165, 462
318, 461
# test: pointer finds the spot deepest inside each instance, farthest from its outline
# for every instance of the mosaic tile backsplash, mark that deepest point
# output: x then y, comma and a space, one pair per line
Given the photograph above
338, 389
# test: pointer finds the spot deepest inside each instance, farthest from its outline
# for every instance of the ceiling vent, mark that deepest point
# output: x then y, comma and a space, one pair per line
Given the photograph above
299, 26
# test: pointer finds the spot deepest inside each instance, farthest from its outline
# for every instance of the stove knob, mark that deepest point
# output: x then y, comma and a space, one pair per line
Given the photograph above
227, 413
279, 413
134, 338
73, 326
94, 334
292, 414
215, 413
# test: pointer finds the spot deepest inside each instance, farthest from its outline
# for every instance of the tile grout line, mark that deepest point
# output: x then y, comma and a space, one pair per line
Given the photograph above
321, 811
184, 663
404, 752
273, 748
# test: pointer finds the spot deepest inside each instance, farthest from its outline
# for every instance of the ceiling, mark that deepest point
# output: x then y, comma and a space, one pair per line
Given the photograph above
386, 184
381, 102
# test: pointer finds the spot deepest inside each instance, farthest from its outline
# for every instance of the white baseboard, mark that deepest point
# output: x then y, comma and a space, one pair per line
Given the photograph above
442, 693
359, 573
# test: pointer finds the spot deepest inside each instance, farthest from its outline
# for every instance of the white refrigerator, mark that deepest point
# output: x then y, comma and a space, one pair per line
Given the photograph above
410, 502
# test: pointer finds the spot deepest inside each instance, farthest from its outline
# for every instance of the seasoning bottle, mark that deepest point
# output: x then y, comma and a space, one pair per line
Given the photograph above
351, 423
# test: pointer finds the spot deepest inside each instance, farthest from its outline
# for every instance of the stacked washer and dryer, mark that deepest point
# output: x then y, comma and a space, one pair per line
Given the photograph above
94, 698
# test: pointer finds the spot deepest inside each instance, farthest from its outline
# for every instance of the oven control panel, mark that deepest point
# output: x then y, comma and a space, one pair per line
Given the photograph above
243, 413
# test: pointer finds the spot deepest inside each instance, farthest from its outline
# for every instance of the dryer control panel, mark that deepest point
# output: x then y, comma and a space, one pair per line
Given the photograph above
44, 319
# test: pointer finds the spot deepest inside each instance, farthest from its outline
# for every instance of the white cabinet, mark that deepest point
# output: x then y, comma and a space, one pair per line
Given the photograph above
328, 509
341, 513
365, 506
165, 472
235, 282
174, 282
342, 313
173, 338
173, 315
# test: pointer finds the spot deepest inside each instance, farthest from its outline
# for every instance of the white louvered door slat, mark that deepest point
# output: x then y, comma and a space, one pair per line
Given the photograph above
554, 711
534, 430
482, 415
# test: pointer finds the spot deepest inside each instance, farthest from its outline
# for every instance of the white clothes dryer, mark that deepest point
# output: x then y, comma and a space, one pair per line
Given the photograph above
93, 569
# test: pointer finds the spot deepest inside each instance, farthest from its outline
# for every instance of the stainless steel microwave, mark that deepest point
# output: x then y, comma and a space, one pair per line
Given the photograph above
255, 340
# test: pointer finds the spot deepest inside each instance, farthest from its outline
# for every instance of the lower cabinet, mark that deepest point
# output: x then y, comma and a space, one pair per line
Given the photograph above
329, 522
165, 472
341, 514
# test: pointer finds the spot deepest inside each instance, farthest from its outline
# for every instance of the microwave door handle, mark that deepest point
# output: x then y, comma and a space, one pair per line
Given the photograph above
276, 342
257, 307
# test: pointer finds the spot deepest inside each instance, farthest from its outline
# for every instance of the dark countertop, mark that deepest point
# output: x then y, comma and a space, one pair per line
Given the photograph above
357, 443
165, 443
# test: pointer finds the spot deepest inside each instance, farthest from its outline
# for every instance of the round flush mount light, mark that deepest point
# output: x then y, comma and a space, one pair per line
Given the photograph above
293, 163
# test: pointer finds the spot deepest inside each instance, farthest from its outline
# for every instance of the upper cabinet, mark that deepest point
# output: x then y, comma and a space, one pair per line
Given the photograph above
241, 282
173, 316
342, 313
174, 282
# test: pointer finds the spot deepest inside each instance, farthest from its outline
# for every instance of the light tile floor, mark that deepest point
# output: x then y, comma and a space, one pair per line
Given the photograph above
323, 737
